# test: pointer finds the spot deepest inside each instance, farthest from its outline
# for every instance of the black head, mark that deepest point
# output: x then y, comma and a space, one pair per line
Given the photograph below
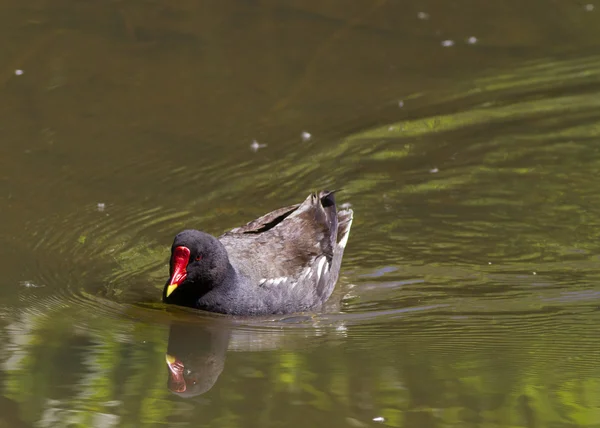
199, 263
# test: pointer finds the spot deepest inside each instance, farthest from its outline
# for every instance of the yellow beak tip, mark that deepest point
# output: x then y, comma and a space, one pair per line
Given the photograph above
170, 289
170, 359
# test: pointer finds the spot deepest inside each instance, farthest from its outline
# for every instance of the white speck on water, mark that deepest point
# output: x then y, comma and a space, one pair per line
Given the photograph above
18, 72
535, 273
255, 146
589, 7
447, 43
400, 103
423, 15
341, 328
379, 419
100, 206
489, 263
306, 136
472, 40
434, 170
30, 284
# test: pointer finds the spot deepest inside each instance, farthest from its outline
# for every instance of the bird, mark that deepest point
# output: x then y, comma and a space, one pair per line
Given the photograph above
287, 261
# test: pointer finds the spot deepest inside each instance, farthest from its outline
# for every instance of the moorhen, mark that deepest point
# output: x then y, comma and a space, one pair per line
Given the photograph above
283, 262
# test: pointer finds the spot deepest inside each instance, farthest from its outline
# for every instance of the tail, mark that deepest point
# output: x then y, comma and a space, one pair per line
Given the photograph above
342, 218
345, 218
344, 221
327, 197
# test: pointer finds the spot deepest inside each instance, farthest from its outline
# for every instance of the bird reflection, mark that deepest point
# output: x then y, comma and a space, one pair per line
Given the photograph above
195, 357
197, 349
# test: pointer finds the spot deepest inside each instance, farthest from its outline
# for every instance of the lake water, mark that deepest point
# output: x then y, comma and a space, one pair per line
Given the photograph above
466, 137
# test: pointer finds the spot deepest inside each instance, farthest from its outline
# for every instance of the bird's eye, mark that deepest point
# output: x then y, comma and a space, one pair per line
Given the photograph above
198, 258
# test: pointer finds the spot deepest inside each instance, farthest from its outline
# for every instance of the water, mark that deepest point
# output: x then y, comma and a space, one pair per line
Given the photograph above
465, 136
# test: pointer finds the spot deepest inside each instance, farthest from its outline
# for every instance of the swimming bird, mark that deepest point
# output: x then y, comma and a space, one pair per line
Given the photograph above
286, 261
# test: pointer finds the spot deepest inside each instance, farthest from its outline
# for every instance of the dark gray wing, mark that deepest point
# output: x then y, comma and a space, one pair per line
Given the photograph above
286, 242
267, 221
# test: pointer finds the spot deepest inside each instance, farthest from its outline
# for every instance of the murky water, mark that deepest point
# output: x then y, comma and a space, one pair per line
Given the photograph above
466, 136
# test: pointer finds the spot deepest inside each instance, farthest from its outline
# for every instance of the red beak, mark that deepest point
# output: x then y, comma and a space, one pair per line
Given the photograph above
181, 257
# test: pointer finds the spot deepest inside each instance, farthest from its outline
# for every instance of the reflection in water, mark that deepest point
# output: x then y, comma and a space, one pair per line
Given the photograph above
64, 365
195, 357
9, 415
